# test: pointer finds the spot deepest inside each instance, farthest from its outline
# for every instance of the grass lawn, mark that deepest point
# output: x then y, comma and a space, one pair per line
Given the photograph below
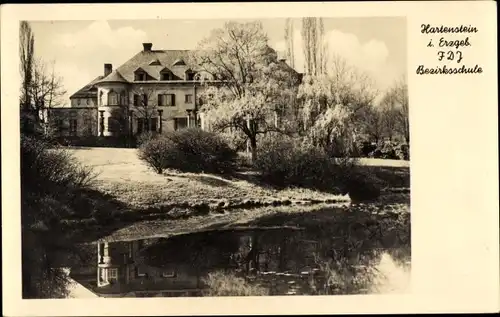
128, 180
122, 175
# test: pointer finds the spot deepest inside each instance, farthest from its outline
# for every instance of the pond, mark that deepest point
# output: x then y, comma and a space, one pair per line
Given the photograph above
328, 250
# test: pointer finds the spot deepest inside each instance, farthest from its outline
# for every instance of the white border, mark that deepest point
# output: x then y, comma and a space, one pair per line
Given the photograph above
454, 166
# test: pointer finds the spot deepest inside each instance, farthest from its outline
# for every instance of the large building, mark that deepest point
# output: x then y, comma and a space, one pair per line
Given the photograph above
153, 91
156, 90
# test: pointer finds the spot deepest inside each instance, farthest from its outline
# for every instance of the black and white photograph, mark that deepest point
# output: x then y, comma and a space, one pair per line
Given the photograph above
226, 157
249, 158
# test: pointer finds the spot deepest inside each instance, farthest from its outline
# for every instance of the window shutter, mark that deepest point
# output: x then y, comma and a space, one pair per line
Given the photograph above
160, 102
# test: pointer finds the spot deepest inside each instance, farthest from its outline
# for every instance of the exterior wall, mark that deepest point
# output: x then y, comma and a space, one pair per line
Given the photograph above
83, 102
112, 110
100, 105
169, 113
86, 119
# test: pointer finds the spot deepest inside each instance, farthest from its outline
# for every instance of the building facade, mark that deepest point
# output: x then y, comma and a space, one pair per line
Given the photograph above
156, 90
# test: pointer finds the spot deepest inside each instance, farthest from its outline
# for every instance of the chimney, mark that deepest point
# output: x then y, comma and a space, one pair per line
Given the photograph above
147, 46
108, 68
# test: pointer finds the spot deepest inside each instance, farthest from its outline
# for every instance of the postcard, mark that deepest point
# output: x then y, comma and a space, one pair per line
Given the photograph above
249, 158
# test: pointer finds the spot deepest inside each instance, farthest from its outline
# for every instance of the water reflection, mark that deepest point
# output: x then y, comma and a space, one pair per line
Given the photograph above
308, 256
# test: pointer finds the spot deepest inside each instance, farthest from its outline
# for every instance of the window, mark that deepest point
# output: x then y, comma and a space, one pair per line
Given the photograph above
166, 100
112, 98
87, 123
180, 123
168, 274
145, 125
140, 272
154, 124
88, 101
112, 274
58, 125
190, 75
165, 76
113, 124
136, 100
72, 126
140, 76
140, 125
188, 98
78, 101
140, 100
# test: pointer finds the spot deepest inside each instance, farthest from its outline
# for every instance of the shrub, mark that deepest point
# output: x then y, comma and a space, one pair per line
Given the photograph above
361, 186
48, 169
50, 177
391, 150
365, 148
228, 284
189, 150
145, 137
288, 162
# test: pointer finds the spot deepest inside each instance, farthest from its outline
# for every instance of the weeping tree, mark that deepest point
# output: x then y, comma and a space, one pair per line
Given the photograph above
333, 106
255, 86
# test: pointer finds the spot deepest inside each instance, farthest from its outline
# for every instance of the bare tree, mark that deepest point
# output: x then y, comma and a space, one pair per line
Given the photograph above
395, 105
26, 53
45, 91
146, 105
255, 83
314, 49
373, 123
289, 38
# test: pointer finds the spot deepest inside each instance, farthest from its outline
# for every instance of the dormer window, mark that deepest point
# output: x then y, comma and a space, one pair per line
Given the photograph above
140, 76
155, 62
179, 62
190, 75
166, 74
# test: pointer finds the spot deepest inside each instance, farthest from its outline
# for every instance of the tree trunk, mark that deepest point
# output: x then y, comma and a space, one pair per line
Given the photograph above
253, 148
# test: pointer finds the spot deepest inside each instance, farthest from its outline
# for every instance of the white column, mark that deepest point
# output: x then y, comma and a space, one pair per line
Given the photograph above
107, 258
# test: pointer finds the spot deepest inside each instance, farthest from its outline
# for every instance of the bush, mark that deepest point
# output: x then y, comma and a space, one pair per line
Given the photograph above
288, 162
365, 148
50, 179
189, 150
228, 284
392, 151
45, 168
361, 186
145, 137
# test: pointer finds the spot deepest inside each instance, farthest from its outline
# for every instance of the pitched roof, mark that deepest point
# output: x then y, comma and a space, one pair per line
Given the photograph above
114, 77
166, 59
152, 62
88, 91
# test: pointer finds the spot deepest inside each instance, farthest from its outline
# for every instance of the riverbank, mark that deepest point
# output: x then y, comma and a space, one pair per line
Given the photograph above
124, 177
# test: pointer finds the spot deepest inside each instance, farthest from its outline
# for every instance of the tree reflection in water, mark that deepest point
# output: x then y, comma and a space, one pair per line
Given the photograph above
317, 259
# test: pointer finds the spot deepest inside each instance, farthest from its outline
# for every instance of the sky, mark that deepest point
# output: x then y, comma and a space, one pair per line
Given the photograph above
79, 49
